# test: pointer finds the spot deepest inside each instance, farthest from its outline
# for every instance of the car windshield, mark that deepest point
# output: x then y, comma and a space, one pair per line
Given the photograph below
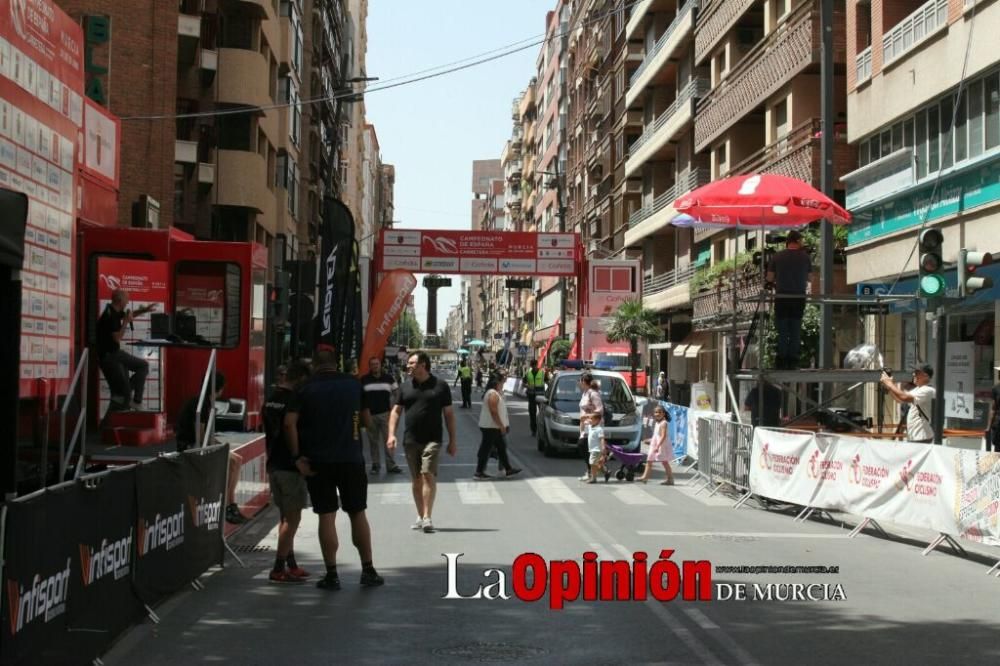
566, 394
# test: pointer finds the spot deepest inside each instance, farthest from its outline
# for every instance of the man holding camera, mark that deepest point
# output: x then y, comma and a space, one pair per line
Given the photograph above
788, 275
920, 398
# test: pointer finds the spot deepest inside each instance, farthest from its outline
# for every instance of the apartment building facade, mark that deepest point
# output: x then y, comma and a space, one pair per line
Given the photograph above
475, 287
244, 159
928, 142
723, 88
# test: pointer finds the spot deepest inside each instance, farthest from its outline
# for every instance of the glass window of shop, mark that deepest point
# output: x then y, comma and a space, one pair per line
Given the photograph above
976, 330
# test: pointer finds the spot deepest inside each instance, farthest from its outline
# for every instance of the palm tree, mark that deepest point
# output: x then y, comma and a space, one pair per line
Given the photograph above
631, 322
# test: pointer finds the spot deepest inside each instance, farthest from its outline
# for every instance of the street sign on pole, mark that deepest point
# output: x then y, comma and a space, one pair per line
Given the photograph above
520, 283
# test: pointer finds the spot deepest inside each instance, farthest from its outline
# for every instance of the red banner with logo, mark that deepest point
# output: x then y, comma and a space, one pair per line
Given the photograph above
545, 351
477, 252
388, 305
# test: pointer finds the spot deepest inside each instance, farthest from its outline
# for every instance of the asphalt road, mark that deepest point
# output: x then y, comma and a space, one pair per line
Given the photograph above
899, 607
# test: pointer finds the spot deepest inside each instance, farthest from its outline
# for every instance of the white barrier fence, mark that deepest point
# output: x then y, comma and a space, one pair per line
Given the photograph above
954, 492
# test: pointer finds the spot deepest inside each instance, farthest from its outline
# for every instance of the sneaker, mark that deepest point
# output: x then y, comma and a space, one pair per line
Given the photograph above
299, 572
428, 526
233, 515
592, 481
584, 478
418, 524
374, 469
328, 583
668, 482
512, 471
396, 470
371, 579
284, 576
481, 475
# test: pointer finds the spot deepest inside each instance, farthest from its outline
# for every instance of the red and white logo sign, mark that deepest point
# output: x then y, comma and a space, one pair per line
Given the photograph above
512, 252
612, 282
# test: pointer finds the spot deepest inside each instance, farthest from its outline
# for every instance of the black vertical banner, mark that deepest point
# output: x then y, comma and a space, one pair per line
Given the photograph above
336, 241
351, 337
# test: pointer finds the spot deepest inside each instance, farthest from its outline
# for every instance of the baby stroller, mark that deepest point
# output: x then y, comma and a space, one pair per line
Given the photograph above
631, 462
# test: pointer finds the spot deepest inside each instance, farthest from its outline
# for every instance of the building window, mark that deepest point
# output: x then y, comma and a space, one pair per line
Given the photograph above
281, 170
991, 94
976, 119
781, 119
721, 160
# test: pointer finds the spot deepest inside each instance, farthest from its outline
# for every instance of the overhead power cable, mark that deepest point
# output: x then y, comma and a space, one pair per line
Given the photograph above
398, 81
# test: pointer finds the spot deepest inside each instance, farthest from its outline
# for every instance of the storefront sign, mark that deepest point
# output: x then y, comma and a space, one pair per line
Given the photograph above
97, 33
956, 194
959, 378
509, 252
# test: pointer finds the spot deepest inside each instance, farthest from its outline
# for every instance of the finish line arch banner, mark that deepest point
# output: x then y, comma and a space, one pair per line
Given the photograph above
477, 252
951, 491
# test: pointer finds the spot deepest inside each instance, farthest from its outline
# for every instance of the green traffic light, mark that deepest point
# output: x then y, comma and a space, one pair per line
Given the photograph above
932, 285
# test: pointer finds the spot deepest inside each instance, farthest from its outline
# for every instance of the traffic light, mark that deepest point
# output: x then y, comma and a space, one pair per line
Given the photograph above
932, 283
968, 281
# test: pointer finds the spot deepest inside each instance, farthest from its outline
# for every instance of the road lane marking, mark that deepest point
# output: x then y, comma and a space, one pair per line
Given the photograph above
636, 496
396, 498
754, 535
700, 619
554, 491
478, 492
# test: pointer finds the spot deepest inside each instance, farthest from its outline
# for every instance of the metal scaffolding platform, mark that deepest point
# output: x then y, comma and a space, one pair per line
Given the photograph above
809, 375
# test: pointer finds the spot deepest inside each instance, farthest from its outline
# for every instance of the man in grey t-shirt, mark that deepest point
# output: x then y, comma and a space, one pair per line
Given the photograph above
788, 273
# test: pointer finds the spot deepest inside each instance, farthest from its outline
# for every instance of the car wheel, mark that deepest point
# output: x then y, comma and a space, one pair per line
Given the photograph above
539, 440
549, 450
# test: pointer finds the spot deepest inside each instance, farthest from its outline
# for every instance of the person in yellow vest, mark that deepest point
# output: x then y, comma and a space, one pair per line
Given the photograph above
534, 381
465, 376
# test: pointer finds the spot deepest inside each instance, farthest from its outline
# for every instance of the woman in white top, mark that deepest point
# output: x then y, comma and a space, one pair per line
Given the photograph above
591, 404
494, 423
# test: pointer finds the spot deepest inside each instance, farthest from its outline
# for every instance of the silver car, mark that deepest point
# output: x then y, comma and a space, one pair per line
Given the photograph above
559, 429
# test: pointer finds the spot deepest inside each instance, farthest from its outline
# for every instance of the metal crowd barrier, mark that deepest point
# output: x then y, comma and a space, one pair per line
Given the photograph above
728, 461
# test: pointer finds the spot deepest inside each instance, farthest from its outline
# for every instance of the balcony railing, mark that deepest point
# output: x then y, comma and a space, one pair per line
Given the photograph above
696, 88
797, 155
914, 29
785, 52
863, 65
664, 38
713, 308
685, 182
675, 276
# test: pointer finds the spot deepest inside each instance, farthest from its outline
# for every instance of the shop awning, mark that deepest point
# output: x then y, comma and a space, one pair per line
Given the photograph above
692, 351
660, 345
680, 349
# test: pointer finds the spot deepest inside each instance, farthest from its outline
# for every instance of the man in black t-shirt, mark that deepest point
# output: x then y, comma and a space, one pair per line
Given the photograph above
788, 274
379, 387
772, 406
288, 488
424, 399
115, 362
323, 432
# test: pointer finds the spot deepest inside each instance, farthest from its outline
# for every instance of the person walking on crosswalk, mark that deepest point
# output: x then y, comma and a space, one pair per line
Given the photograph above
425, 399
494, 423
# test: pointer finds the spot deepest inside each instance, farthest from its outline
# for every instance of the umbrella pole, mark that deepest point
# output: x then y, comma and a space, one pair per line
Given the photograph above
733, 355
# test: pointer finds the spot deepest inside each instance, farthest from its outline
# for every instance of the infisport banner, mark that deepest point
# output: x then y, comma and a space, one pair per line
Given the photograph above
180, 501
67, 589
390, 299
952, 491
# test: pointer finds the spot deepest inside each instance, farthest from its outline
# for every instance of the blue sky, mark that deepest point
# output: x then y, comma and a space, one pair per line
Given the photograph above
433, 130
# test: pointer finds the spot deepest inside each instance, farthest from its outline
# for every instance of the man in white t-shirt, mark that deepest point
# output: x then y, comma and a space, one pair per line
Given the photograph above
920, 399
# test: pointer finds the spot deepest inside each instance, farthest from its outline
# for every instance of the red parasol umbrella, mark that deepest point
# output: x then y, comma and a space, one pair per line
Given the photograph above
759, 200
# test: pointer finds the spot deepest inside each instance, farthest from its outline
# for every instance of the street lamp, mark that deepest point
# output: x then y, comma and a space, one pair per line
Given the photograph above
557, 184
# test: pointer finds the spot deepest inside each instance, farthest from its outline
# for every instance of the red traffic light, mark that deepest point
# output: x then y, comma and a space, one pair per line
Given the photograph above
931, 240
930, 262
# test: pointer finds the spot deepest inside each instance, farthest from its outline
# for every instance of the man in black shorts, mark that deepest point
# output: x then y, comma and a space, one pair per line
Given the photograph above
323, 433
425, 399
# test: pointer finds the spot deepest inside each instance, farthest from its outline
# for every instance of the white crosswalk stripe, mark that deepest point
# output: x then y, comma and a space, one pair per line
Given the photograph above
478, 492
395, 498
636, 496
554, 491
